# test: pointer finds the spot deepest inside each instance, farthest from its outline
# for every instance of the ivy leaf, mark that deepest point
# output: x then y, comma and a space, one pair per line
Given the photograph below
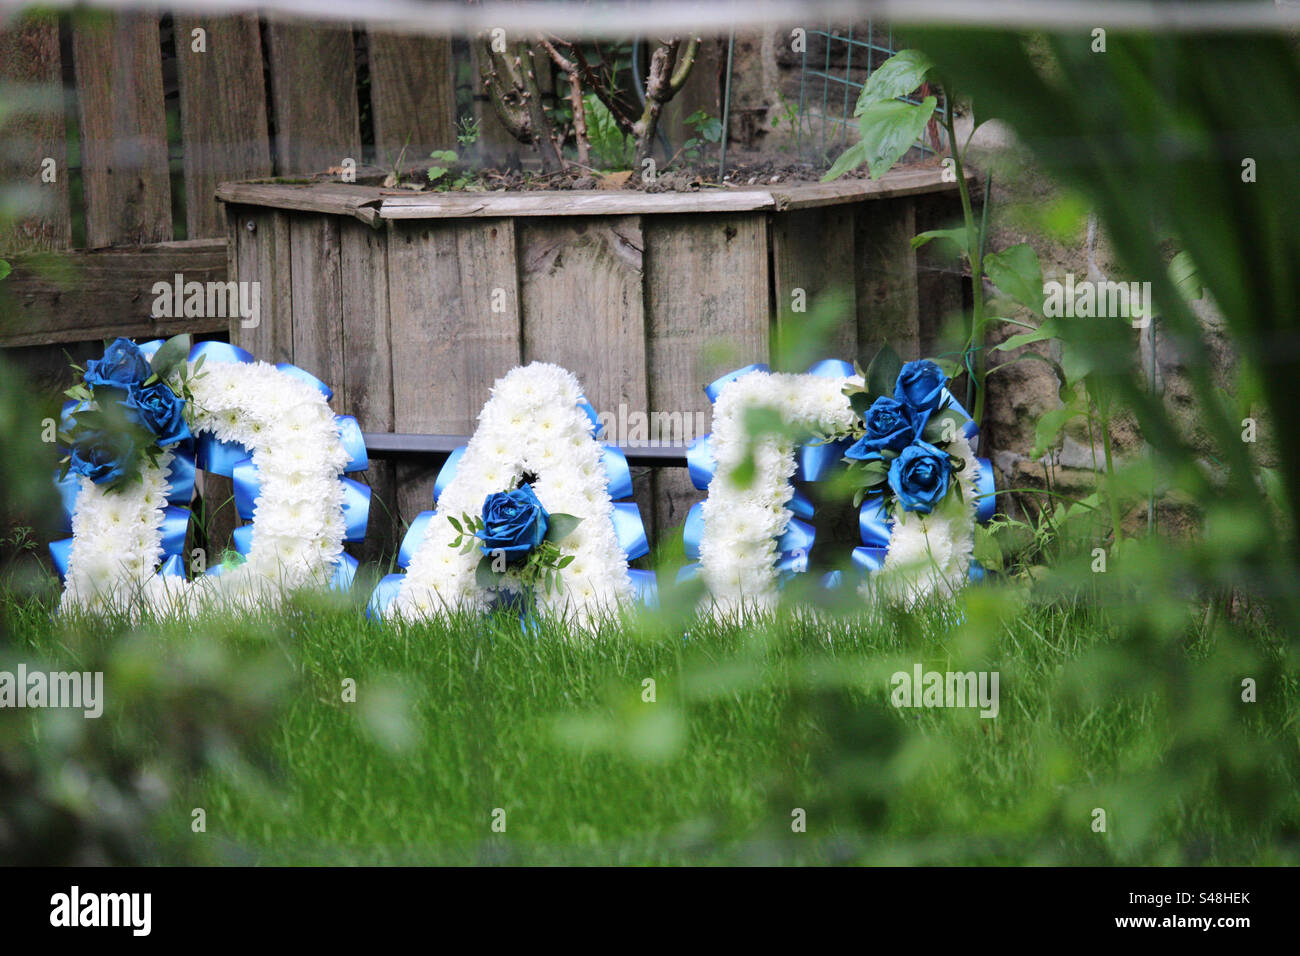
170, 354
484, 576
944, 427
883, 371
957, 236
890, 129
850, 159
1050, 425
561, 525
1016, 271
1048, 330
899, 75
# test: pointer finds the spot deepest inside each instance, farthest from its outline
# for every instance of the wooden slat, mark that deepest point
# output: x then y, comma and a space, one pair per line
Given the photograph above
223, 113
342, 199
907, 181
317, 296
886, 278
366, 388
77, 296
261, 256
581, 289
448, 345
941, 284
123, 130
571, 203
412, 95
313, 83
707, 309
812, 251
30, 60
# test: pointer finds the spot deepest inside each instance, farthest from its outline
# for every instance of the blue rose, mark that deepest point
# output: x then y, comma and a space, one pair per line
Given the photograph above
889, 424
158, 409
514, 523
122, 366
920, 385
919, 477
102, 456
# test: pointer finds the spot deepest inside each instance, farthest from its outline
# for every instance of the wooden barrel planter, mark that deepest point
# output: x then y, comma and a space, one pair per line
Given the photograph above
410, 305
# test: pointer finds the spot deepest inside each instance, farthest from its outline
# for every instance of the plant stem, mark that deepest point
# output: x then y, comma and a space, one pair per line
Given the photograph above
1116, 533
974, 257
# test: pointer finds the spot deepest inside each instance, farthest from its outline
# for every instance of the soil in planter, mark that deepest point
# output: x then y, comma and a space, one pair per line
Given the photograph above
743, 170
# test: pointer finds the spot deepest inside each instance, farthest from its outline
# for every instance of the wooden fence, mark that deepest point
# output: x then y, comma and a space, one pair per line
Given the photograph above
128, 122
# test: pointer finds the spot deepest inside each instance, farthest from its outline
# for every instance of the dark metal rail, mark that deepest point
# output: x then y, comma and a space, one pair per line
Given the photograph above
388, 445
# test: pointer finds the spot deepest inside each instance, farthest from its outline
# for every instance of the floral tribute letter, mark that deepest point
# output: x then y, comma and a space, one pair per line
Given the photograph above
141, 421
525, 515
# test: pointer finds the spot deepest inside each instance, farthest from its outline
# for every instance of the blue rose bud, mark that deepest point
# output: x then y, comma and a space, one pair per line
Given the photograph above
919, 477
514, 523
158, 409
889, 424
920, 385
102, 456
122, 366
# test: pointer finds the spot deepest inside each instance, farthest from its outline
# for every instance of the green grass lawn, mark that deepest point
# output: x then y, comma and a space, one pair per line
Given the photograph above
455, 720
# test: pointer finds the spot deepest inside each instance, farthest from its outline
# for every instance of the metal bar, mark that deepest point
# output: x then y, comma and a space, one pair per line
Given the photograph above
388, 445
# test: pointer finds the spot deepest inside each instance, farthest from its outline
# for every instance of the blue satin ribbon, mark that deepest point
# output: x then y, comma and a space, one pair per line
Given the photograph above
590, 412
59, 553
353, 443
874, 523
970, 431
220, 352
798, 536
815, 462
630, 529
356, 509
646, 585
180, 474
700, 463
688, 572
620, 475
383, 594
175, 525
800, 506
345, 572
413, 538
869, 560
69, 488
832, 368
976, 572
218, 457
173, 567
247, 487
147, 349
714, 387
985, 489
693, 530
242, 539
307, 377
447, 472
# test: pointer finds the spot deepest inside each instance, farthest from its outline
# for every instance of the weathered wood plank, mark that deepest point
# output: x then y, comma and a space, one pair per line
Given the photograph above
366, 389
412, 94
886, 278
33, 134
707, 312
907, 181
313, 89
317, 296
448, 345
570, 203
78, 296
261, 256
223, 113
812, 259
123, 130
583, 307
941, 283
342, 199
